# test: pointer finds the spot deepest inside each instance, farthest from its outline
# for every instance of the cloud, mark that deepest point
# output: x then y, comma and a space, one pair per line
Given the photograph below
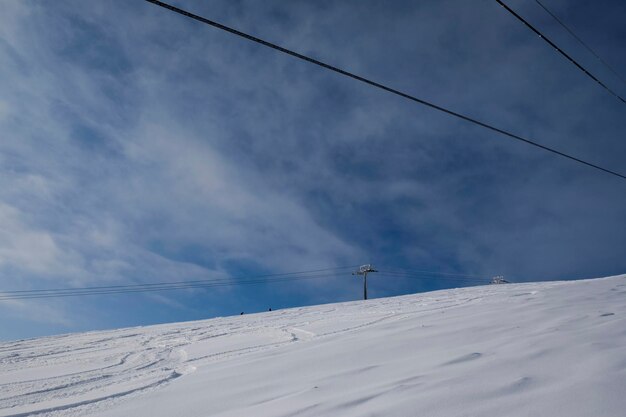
34, 312
33, 251
137, 146
102, 184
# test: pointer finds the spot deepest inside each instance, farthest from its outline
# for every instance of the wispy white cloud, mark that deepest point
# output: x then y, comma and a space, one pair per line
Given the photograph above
99, 186
35, 251
138, 146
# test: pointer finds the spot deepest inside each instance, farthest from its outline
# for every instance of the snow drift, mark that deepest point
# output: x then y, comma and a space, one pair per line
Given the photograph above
537, 349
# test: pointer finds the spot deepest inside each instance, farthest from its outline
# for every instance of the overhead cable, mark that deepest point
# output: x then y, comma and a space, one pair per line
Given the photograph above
173, 283
70, 293
561, 51
380, 86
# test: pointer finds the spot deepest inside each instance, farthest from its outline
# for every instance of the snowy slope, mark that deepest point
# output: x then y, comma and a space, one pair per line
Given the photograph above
539, 349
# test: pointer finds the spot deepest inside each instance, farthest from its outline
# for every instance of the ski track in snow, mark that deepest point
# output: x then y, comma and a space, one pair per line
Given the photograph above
93, 373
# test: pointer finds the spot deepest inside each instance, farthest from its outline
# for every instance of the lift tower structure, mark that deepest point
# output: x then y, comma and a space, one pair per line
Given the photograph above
364, 270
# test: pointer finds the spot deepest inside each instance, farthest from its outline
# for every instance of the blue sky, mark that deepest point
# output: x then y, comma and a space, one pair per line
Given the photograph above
139, 146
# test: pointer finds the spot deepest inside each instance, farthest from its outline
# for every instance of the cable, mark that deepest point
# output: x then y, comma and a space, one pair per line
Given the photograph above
433, 278
571, 32
69, 293
431, 272
378, 85
436, 279
569, 58
127, 291
203, 284
445, 283
175, 282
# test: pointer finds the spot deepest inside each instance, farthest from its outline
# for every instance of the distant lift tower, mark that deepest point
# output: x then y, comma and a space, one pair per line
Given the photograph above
364, 270
499, 280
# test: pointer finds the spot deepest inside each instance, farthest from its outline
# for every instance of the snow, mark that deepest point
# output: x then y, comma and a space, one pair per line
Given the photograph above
536, 349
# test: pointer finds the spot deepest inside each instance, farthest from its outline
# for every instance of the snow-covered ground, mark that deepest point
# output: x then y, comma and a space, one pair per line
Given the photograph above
538, 349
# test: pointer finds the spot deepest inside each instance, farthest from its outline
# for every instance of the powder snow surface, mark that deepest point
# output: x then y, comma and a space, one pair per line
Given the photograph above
539, 349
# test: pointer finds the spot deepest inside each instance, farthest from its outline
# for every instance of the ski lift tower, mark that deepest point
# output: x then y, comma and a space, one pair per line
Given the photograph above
499, 280
364, 270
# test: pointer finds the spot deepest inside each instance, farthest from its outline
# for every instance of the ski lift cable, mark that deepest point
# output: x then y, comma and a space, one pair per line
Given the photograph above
372, 83
561, 51
429, 276
432, 275
163, 288
442, 280
173, 283
583, 43
422, 271
69, 292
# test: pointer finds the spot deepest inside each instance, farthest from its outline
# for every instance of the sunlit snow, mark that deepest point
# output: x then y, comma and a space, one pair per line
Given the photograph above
537, 349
